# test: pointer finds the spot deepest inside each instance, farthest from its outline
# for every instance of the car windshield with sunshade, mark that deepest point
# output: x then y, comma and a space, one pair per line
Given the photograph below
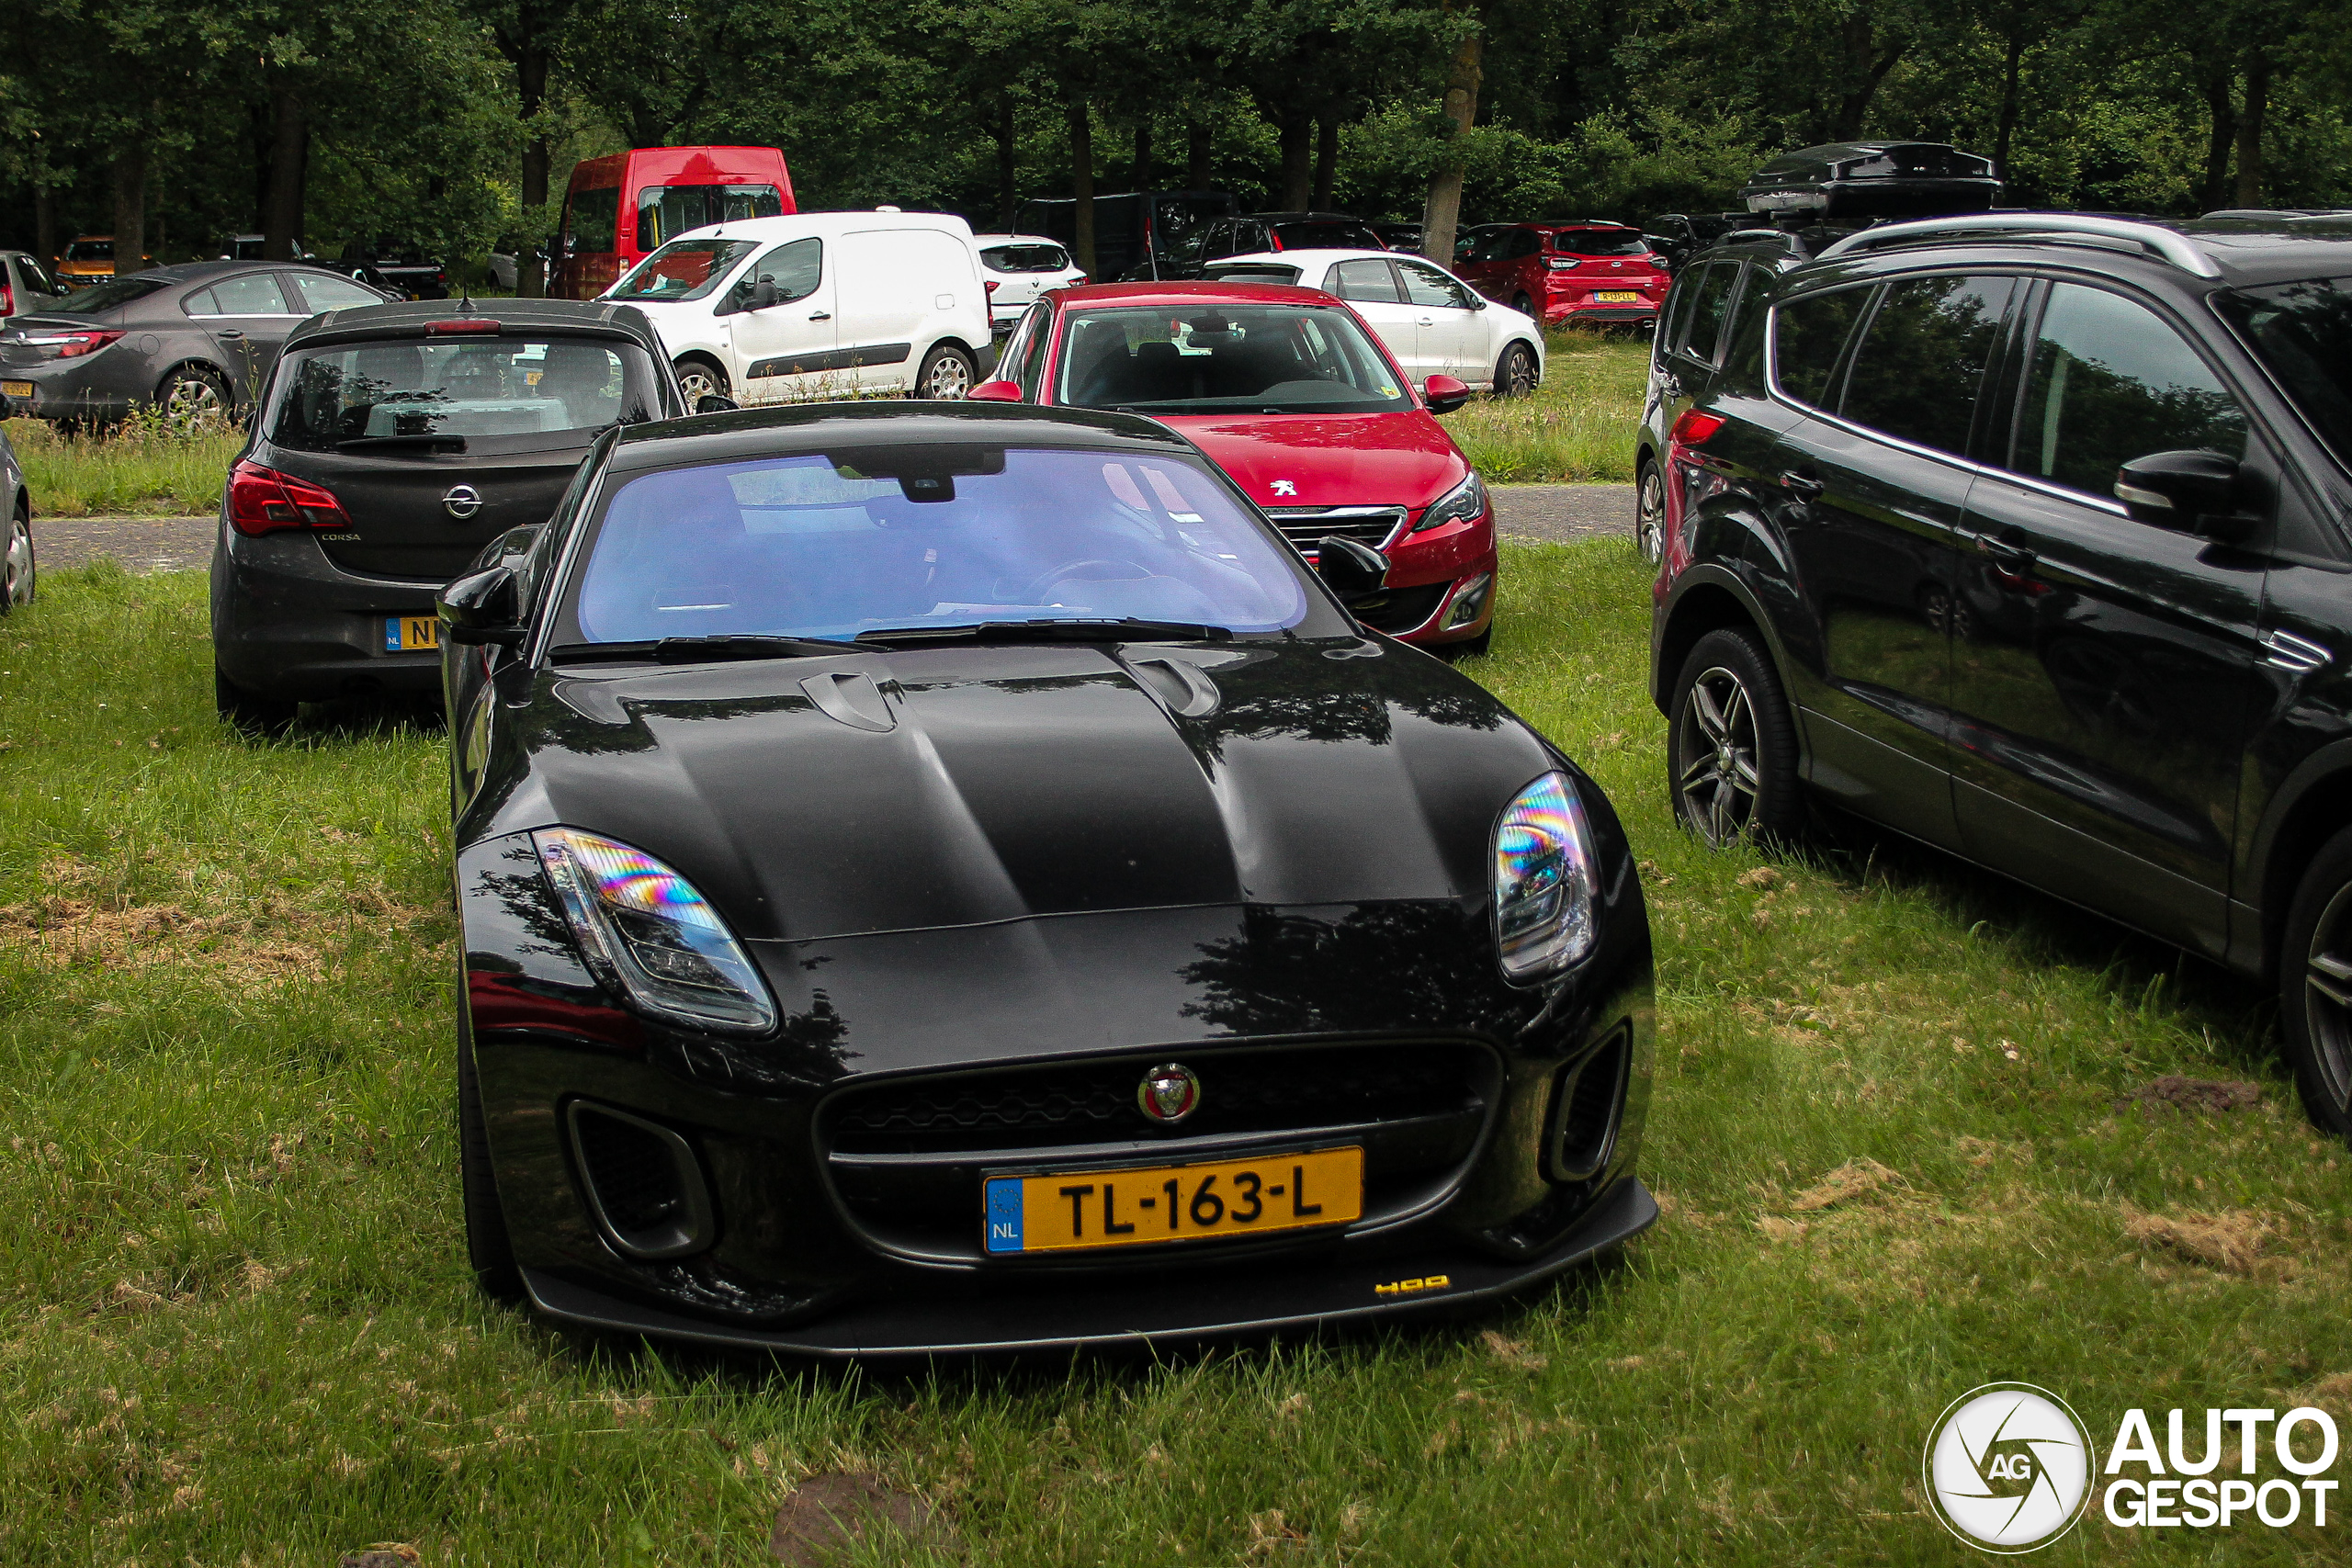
519, 391
1227, 359
683, 269
1601, 242
2303, 333
912, 540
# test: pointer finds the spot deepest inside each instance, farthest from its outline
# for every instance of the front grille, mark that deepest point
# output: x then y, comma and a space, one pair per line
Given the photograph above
907, 1158
1371, 526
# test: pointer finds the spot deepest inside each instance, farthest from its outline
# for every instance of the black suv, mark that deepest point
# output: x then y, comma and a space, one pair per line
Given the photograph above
2030, 536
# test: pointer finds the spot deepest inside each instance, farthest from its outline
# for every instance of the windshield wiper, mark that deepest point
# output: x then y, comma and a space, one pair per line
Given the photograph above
454, 443
702, 650
1128, 629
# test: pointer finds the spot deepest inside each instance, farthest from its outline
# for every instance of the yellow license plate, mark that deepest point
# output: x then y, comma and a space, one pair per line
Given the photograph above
405, 633
1074, 1210
1618, 296
16, 388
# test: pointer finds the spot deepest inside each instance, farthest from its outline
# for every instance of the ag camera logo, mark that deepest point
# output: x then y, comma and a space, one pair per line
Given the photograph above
2009, 1468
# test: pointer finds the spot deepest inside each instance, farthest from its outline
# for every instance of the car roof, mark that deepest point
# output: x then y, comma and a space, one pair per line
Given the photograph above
408, 318
1016, 240
1190, 293
787, 429
793, 225
1324, 255
2249, 250
1305, 217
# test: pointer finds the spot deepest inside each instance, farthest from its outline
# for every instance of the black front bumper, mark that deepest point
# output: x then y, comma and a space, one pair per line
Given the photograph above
959, 1319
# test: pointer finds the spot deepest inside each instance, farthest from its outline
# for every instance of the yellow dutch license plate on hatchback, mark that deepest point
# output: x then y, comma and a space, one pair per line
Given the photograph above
1617, 297
406, 634
1075, 1210
16, 388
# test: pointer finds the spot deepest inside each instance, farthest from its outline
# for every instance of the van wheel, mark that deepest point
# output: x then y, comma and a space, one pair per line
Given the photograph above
17, 573
1731, 746
248, 711
699, 377
1515, 373
946, 373
2315, 986
1649, 514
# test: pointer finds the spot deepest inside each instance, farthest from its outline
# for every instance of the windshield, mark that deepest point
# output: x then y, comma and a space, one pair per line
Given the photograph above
665, 211
546, 391
1312, 236
1599, 242
101, 296
683, 269
2303, 333
89, 250
1025, 258
1226, 358
820, 545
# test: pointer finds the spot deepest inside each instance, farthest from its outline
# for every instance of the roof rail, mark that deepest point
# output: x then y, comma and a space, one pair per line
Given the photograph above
2169, 243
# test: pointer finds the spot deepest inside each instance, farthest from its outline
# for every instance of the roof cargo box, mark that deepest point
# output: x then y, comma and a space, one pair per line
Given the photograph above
1847, 182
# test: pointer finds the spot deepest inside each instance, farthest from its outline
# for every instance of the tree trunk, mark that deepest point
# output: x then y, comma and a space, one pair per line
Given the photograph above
1297, 132
2012, 59
264, 131
531, 76
1443, 212
2257, 103
1326, 160
1081, 184
289, 156
2223, 127
130, 206
45, 223
1142, 180
1862, 56
1008, 168
1196, 157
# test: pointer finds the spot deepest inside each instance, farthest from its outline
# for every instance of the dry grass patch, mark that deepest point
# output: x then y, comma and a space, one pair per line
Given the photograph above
2231, 1240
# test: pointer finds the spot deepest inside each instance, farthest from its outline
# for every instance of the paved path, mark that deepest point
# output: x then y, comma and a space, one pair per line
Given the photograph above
1550, 513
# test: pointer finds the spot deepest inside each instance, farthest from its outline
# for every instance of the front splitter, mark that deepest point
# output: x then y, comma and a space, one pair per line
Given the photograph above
951, 1318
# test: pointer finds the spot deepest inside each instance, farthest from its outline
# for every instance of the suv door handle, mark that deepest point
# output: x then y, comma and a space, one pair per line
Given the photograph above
1805, 487
820, 315
2013, 560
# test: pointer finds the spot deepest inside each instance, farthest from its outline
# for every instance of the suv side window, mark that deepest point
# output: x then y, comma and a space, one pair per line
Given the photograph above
1710, 312
1808, 334
1525, 242
2111, 380
1919, 367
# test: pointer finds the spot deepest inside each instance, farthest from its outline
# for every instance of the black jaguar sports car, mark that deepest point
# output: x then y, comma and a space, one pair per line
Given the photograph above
946, 877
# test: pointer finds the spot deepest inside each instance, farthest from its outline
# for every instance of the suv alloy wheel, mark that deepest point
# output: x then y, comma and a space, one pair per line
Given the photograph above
1732, 749
1649, 515
2315, 986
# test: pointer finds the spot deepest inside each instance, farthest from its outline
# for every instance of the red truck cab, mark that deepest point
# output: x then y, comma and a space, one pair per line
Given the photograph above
621, 208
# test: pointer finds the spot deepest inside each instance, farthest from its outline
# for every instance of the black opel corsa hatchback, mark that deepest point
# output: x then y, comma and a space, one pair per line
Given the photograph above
948, 877
2030, 536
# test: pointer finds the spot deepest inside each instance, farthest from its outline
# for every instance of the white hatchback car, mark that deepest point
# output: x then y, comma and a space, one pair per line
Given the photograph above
1019, 267
816, 305
1432, 321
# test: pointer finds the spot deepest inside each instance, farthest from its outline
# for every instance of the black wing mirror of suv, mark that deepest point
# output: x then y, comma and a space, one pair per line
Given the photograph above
2190, 492
712, 403
1351, 571
481, 608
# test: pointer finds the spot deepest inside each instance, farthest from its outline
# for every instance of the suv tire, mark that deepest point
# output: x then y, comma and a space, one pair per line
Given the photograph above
489, 1247
1649, 514
2315, 986
1731, 746
250, 712
947, 374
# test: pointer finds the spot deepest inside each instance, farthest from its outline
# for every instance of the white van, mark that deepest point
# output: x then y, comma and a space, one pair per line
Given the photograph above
816, 305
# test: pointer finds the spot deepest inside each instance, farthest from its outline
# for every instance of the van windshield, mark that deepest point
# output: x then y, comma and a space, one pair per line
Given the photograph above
683, 269
666, 210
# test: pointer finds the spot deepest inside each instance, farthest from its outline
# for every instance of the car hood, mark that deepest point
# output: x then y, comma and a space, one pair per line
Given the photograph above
942, 787
1403, 458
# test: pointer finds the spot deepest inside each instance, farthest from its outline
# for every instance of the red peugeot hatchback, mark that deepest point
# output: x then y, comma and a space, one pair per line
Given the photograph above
1580, 271
1293, 395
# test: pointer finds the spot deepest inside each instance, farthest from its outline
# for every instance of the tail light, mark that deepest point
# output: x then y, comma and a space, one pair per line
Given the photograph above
7, 299
464, 326
263, 500
1075, 281
1693, 428
73, 344
1561, 264
989, 283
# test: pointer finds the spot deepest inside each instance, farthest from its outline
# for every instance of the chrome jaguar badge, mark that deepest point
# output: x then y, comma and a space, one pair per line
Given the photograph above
1169, 1093
462, 501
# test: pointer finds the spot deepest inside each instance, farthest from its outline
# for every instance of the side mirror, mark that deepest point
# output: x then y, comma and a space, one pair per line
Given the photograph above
714, 402
1444, 394
480, 608
2189, 492
1351, 571
994, 392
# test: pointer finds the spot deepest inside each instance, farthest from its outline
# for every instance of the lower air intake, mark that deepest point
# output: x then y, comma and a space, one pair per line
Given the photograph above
642, 1181
1586, 1112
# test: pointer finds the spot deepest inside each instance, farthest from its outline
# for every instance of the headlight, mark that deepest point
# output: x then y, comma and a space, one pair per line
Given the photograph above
1543, 878
1463, 503
645, 930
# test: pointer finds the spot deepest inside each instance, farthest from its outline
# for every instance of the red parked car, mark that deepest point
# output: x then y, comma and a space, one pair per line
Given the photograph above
1291, 392
1579, 271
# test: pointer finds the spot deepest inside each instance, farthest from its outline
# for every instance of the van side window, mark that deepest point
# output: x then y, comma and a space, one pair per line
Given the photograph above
1808, 334
1920, 366
796, 267
592, 220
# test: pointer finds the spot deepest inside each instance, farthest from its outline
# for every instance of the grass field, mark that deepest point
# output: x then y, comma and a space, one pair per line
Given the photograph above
1891, 1134
1578, 428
